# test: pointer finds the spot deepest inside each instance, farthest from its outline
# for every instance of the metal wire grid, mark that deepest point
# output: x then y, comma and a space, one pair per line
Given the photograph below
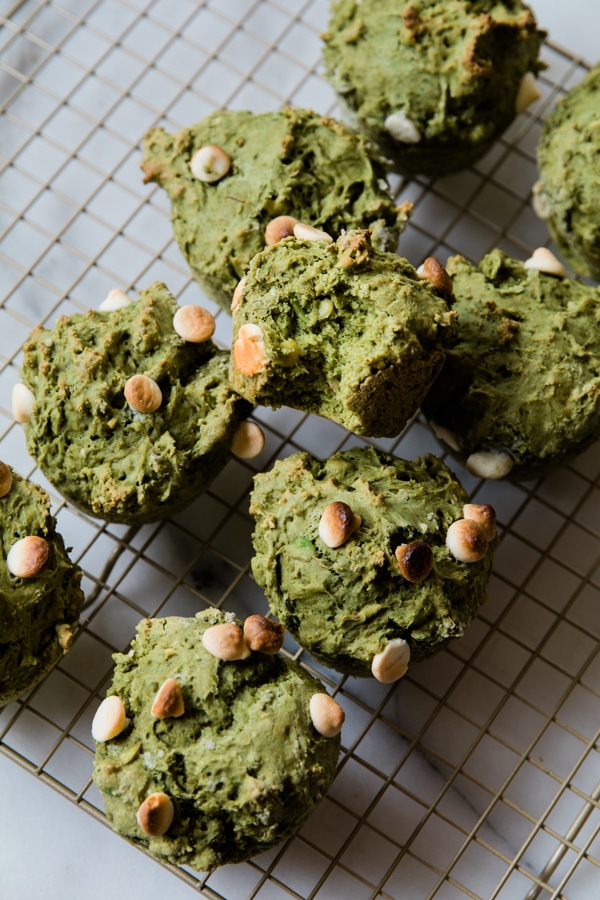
477, 775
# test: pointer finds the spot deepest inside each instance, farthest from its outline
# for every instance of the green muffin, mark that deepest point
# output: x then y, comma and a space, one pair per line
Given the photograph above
568, 193
433, 83
40, 593
291, 162
129, 420
356, 555
207, 761
520, 390
341, 330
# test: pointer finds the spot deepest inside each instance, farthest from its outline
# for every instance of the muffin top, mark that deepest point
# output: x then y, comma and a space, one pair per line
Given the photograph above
522, 381
339, 329
225, 746
569, 191
432, 82
355, 558
290, 162
129, 420
40, 593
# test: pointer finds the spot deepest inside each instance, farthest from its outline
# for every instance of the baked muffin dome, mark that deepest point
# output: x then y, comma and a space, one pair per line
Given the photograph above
433, 83
128, 419
519, 392
40, 592
233, 172
371, 562
568, 193
207, 758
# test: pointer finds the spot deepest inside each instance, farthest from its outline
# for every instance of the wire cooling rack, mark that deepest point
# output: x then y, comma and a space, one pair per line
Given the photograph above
476, 776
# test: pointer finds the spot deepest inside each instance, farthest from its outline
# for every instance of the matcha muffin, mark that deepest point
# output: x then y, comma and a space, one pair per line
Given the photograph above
568, 193
433, 83
40, 593
228, 176
129, 419
372, 563
209, 752
520, 389
341, 330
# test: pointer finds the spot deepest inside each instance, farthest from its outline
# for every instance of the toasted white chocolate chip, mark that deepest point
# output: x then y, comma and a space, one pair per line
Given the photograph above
528, 92
110, 719
5, 479
155, 815
64, 634
415, 561
492, 464
279, 228
168, 703
432, 270
248, 441
143, 394
484, 515
226, 641
402, 129
392, 663
263, 635
210, 163
27, 557
544, 260
248, 350
22, 403
194, 323
337, 524
539, 201
326, 714
444, 434
466, 541
308, 233
238, 294
115, 299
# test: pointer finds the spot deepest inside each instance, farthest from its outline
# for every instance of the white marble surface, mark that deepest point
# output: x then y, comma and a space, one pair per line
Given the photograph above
49, 848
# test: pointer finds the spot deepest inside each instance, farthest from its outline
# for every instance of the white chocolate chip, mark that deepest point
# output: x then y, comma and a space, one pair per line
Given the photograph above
484, 515
492, 464
194, 323
110, 719
248, 350
402, 129
210, 163
238, 294
539, 201
279, 228
432, 270
248, 441
307, 233
115, 299
544, 260
5, 479
466, 541
27, 557
337, 524
143, 394
226, 641
22, 403
326, 714
263, 635
444, 434
64, 635
168, 703
392, 663
156, 813
415, 561
528, 92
